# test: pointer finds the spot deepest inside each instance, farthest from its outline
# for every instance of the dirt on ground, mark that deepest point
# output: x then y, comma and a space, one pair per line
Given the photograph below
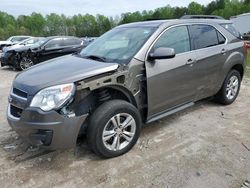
207, 145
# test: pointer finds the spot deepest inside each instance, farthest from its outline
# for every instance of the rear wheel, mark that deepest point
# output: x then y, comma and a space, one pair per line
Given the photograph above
230, 88
114, 128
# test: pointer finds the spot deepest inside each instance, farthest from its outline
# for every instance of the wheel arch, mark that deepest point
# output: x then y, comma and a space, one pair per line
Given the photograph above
118, 92
93, 100
239, 68
234, 61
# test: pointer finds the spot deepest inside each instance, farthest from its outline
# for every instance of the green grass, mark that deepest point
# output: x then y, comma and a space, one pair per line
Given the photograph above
248, 64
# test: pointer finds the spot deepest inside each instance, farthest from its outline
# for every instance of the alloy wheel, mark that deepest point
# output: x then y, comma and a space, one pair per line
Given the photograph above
232, 87
119, 132
26, 63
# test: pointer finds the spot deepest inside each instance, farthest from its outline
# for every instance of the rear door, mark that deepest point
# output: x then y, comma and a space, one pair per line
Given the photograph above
171, 82
211, 53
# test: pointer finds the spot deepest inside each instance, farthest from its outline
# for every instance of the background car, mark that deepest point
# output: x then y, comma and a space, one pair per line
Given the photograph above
45, 49
12, 40
26, 43
87, 40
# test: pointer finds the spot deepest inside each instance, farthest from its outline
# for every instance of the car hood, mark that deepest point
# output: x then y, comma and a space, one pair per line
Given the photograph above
5, 42
65, 69
14, 47
19, 48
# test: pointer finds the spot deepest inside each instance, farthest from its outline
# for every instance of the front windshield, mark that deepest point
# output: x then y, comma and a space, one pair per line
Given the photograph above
31, 41
40, 42
9, 39
18, 39
118, 45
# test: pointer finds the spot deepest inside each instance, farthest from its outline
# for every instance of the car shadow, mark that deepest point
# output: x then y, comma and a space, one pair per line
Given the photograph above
18, 150
8, 69
209, 102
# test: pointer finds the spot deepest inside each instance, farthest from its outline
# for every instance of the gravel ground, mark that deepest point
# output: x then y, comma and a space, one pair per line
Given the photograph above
207, 145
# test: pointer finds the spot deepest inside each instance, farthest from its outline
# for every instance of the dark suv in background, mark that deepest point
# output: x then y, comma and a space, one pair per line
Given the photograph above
132, 75
24, 57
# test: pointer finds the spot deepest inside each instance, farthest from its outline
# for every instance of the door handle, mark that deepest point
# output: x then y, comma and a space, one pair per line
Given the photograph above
190, 61
223, 51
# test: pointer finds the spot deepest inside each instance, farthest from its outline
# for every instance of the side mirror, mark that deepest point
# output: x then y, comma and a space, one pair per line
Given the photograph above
161, 53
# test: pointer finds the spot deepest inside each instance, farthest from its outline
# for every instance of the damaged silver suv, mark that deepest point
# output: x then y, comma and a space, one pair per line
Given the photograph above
132, 75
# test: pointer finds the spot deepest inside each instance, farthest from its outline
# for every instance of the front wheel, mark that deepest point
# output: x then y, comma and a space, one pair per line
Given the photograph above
230, 88
114, 128
25, 63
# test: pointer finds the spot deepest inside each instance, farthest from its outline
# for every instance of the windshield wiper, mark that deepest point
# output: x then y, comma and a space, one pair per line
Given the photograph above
95, 57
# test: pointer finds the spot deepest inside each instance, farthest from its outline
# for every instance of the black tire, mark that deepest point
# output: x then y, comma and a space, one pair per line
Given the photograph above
221, 96
100, 118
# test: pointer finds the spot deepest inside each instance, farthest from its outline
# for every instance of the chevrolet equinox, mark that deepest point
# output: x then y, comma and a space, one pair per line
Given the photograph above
132, 75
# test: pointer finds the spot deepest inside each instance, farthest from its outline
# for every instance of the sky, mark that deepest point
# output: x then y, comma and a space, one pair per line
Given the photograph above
72, 7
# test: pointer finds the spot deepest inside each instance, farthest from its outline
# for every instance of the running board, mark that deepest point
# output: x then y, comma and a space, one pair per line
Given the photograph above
170, 112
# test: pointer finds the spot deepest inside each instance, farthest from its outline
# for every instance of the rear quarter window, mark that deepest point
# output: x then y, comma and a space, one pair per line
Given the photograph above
230, 27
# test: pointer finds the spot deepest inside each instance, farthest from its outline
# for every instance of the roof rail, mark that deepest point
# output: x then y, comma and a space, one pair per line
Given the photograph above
154, 19
201, 17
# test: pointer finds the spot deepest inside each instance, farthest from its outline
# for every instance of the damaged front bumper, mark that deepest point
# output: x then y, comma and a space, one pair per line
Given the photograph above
7, 59
49, 130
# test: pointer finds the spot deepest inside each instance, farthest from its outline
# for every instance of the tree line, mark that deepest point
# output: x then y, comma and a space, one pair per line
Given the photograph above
88, 25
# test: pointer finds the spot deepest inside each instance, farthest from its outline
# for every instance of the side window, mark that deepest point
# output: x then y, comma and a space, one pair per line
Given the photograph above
17, 39
72, 42
54, 43
203, 36
31, 41
176, 38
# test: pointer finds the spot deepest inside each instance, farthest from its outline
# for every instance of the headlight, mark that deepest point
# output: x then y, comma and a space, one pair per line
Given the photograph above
53, 97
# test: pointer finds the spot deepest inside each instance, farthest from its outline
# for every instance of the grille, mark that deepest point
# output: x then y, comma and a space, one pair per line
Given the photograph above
20, 93
15, 111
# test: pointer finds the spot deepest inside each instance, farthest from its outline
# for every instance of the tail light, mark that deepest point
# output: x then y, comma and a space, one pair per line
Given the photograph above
245, 48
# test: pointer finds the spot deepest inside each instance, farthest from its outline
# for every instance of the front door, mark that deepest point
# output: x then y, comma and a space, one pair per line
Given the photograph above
52, 49
171, 82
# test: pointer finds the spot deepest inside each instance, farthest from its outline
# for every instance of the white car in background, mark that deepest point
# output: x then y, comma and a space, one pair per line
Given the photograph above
13, 40
28, 42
